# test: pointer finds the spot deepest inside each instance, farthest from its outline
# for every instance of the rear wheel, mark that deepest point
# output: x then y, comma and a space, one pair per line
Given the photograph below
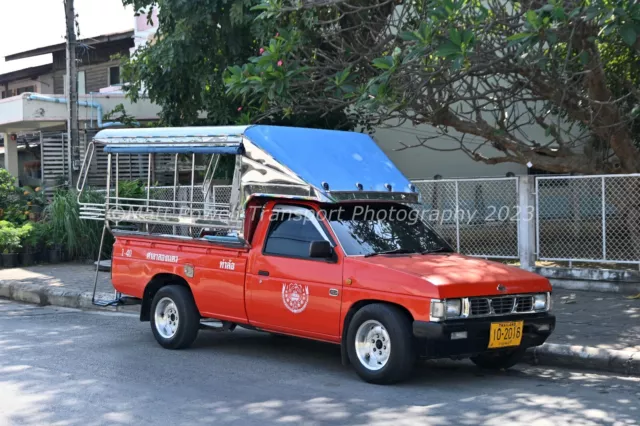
175, 319
498, 360
380, 344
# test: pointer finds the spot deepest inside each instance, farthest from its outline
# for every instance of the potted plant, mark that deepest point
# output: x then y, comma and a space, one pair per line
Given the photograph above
9, 243
30, 243
53, 245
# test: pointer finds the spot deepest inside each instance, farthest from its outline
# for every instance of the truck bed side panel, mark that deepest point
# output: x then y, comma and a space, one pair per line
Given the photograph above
218, 279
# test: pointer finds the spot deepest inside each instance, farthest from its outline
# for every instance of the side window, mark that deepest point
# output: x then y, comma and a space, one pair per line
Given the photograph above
290, 234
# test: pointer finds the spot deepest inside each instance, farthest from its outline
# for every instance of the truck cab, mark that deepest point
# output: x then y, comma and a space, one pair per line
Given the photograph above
321, 238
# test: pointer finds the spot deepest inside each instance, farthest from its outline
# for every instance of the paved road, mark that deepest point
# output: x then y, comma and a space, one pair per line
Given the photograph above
67, 367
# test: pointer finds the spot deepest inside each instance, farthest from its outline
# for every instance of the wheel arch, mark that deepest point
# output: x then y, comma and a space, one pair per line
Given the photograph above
355, 307
156, 283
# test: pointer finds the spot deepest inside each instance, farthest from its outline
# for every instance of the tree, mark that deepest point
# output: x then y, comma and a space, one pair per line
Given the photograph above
485, 73
182, 68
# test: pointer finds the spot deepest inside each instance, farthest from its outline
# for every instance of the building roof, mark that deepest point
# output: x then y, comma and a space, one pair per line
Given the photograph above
25, 73
105, 38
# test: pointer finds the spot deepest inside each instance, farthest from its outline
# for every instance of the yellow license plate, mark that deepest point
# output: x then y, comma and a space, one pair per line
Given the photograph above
504, 334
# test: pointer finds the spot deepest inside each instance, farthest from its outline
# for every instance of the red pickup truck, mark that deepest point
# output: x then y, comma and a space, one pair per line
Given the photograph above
366, 274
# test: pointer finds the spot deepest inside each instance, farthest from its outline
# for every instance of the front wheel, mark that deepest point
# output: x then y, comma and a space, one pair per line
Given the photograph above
498, 360
175, 319
380, 344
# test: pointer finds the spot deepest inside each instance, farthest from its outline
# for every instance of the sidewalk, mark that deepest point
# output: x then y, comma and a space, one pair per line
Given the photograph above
594, 330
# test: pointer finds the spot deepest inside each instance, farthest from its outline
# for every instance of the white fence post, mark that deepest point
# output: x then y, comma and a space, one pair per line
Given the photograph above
457, 219
526, 222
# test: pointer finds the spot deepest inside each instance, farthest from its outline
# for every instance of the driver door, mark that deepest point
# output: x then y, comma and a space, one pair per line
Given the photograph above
288, 290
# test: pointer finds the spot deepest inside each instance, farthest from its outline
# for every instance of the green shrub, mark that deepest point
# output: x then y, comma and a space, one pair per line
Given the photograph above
11, 236
13, 205
34, 237
79, 238
131, 189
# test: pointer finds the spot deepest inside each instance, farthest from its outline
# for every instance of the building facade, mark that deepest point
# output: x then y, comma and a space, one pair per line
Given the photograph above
33, 106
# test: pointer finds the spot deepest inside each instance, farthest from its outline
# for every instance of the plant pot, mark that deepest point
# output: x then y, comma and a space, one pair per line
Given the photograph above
10, 260
54, 255
28, 259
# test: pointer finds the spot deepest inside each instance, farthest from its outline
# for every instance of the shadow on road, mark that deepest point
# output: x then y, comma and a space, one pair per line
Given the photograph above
81, 369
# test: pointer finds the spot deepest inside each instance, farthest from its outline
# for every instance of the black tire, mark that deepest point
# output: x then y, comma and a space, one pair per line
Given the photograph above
502, 360
402, 356
188, 322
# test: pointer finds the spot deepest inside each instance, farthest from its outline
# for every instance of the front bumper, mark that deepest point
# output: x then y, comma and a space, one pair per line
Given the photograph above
434, 338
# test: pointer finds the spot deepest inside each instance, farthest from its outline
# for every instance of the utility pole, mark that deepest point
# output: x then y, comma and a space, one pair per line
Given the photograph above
72, 85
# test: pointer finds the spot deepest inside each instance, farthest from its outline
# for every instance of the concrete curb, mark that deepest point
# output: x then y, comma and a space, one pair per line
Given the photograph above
586, 357
598, 280
623, 362
44, 296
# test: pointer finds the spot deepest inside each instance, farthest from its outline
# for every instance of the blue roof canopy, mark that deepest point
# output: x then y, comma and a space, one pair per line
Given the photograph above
341, 159
234, 149
338, 158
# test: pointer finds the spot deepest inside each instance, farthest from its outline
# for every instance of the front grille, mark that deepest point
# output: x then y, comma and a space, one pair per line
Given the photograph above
500, 305
479, 306
524, 303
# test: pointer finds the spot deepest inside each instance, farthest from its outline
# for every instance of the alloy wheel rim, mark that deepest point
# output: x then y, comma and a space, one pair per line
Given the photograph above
166, 318
373, 345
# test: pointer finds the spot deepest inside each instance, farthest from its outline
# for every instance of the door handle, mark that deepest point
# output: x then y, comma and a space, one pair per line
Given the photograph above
265, 273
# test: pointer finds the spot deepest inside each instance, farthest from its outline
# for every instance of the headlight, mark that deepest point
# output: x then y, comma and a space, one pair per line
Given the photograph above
541, 302
441, 309
454, 307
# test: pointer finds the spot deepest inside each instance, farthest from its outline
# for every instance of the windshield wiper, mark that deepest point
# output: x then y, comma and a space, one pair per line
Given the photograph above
438, 250
394, 251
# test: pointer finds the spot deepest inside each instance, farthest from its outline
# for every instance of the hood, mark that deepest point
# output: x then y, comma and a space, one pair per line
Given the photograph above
450, 275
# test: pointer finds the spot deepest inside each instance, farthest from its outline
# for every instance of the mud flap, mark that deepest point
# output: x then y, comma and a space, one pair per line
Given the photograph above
344, 355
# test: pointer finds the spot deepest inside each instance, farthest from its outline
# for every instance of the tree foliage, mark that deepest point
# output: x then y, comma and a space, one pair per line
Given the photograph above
549, 82
182, 68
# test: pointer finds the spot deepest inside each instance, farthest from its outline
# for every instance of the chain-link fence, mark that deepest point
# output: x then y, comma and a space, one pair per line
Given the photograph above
479, 217
216, 204
588, 218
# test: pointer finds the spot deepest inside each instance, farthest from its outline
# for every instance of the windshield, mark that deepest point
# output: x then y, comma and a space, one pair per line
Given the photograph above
376, 228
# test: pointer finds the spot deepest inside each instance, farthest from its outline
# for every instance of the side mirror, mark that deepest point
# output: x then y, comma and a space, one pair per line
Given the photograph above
320, 249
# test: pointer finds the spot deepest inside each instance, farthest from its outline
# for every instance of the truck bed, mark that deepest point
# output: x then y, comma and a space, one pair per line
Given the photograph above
214, 271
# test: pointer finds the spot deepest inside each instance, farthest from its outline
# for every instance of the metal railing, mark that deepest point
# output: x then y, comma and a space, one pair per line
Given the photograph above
479, 217
167, 209
588, 218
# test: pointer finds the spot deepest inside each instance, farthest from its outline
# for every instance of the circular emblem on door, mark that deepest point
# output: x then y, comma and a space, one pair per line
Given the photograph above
295, 297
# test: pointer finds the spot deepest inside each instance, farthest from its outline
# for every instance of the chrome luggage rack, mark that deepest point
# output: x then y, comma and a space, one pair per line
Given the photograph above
176, 211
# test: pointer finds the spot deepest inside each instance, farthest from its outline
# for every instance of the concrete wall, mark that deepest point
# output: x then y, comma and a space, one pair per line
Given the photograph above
10, 111
42, 84
35, 111
424, 163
